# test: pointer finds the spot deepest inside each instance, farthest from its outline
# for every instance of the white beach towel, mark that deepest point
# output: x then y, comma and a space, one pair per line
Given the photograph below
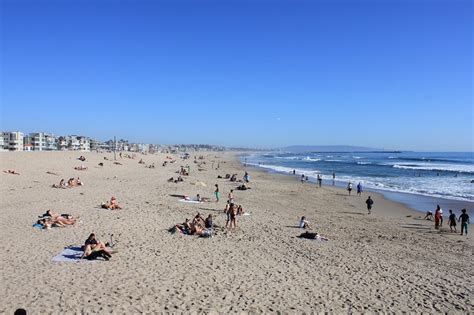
190, 201
70, 254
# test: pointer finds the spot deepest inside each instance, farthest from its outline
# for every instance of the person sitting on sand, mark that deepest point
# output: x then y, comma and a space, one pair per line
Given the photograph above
240, 210
11, 172
208, 222
82, 158
93, 249
111, 205
428, 216
101, 164
304, 224
141, 161
62, 184
243, 187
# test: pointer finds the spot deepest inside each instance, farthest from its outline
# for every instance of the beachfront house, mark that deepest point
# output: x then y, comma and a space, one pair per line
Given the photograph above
40, 141
13, 140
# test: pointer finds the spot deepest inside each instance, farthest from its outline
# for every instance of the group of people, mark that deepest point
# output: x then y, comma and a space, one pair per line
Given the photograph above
111, 205
452, 220
13, 172
51, 219
197, 226
72, 182
81, 158
177, 180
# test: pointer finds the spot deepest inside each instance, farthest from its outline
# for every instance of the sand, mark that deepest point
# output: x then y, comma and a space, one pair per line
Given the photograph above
390, 261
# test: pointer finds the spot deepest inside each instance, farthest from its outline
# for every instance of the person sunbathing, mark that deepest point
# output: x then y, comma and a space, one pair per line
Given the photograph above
62, 184
94, 248
81, 168
111, 205
141, 161
82, 158
62, 219
11, 172
117, 163
243, 187
312, 236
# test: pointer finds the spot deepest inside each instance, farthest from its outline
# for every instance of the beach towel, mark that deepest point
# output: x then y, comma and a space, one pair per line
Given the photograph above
246, 213
70, 254
38, 226
190, 201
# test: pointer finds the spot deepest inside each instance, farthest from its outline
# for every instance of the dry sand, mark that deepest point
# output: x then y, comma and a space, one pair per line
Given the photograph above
386, 262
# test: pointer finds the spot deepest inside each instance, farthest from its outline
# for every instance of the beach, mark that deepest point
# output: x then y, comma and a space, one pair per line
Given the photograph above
389, 261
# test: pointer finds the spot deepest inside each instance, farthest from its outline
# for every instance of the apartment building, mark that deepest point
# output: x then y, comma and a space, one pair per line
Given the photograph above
40, 141
13, 140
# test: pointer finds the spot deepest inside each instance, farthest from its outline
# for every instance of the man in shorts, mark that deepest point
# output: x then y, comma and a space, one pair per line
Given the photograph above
369, 203
452, 221
464, 218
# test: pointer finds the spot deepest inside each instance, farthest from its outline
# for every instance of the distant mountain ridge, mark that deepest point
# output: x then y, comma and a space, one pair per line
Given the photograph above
327, 148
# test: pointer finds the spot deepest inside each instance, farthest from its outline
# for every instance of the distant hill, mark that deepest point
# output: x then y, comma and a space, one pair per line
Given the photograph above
326, 148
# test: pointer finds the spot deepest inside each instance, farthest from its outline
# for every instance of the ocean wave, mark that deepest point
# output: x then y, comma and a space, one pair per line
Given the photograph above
431, 159
457, 168
364, 163
311, 159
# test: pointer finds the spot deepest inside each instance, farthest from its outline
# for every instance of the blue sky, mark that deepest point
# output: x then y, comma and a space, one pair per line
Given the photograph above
391, 74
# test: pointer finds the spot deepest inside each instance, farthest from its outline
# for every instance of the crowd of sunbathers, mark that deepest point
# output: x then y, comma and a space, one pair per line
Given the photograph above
72, 182
51, 219
197, 226
111, 205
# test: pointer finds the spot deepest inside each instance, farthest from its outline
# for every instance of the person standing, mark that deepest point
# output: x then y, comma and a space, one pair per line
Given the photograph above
333, 179
359, 189
438, 217
302, 178
217, 193
320, 180
452, 221
464, 218
369, 203
231, 196
349, 188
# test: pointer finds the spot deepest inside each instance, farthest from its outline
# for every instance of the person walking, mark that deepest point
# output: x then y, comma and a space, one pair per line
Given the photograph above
464, 218
349, 188
359, 189
369, 203
217, 193
452, 221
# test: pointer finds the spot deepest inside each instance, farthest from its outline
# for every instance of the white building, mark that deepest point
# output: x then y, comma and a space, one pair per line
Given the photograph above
40, 141
13, 141
2, 142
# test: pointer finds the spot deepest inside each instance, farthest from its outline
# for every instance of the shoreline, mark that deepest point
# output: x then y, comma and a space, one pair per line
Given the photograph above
416, 202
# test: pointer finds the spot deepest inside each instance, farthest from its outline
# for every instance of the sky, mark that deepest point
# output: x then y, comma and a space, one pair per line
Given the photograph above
391, 74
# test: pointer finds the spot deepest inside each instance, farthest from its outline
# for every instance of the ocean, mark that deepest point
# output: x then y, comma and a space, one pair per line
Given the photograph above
417, 179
